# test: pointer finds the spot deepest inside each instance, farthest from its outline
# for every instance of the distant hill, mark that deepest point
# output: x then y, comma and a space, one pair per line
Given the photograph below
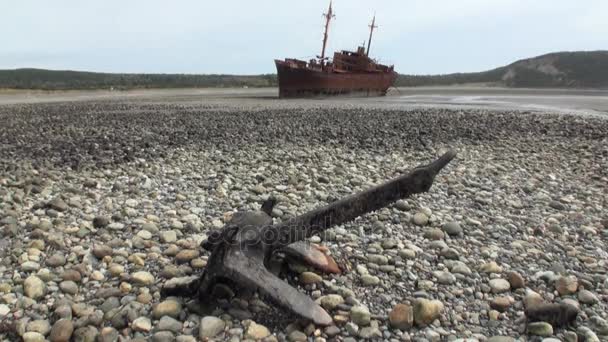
67, 79
561, 69
582, 69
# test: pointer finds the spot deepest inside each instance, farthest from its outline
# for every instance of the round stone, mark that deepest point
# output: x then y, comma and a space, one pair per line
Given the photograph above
69, 287
331, 301
490, 267
142, 324
370, 280
33, 287
587, 297
500, 304
516, 280
426, 311
32, 336
434, 234
101, 251
360, 315
257, 331
40, 326
452, 228
540, 329
61, 331
142, 278
420, 219
169, 307
566, 285
310, 278
499, 285
401, 317
210, 326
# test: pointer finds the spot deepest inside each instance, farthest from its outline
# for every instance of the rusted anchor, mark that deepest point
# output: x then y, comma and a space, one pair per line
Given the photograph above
242, 251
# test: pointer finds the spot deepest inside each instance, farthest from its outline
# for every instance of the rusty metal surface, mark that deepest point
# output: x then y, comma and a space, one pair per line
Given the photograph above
243, 250
303, 81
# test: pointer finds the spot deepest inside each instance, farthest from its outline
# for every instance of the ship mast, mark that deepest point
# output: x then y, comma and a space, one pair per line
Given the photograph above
328, 16
371, 31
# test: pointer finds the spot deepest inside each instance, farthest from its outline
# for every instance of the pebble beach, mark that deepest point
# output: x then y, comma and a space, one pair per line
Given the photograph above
104, 201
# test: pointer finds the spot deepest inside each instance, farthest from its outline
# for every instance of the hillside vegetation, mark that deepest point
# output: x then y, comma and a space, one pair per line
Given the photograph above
67, 79
561, 69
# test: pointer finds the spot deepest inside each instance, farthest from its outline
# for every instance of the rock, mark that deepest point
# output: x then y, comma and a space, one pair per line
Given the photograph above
444, 278
332, 330
403, 205
108, 334
142, 278
587, 334
169, 324
210, 326
566, 285
587, 297
310, 278
71, 275
30, 266
33, 287
185, 338
85, 334
452, 228
4, 310
142, 324
360, 315
377, 259
532, 298
540, 329
371, 332
101, 251
168, 236
370, 280
499, 285
58, 204
297, 336
163, 336
61, 331
500, 304
144, 234
101, 221
186, 255
426, 311
69, 287
461, 268
40, 326
501, 339
600, 325
434, 234
150, 227
256, 331
516, 280
407, 254
32, 336
490, 267
401, 317
331, 301
168, 307
420, 219
557, 205
56, 260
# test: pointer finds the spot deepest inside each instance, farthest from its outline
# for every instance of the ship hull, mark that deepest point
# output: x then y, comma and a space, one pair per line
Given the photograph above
306, 82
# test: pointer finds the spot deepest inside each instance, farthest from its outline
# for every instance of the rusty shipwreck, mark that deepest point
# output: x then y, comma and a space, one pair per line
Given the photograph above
348, 73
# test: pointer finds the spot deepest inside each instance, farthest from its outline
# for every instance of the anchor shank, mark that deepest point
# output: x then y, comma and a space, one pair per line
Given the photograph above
347, 209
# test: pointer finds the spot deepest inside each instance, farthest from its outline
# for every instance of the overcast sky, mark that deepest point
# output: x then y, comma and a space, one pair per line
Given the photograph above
244, 36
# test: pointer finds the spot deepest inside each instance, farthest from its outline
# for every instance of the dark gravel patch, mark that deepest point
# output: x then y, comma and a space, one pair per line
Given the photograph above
76, 134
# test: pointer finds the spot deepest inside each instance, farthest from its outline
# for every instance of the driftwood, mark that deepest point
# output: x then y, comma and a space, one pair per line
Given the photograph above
242, 251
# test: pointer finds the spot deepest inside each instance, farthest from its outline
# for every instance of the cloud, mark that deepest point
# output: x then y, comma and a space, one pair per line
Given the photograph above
238, 36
